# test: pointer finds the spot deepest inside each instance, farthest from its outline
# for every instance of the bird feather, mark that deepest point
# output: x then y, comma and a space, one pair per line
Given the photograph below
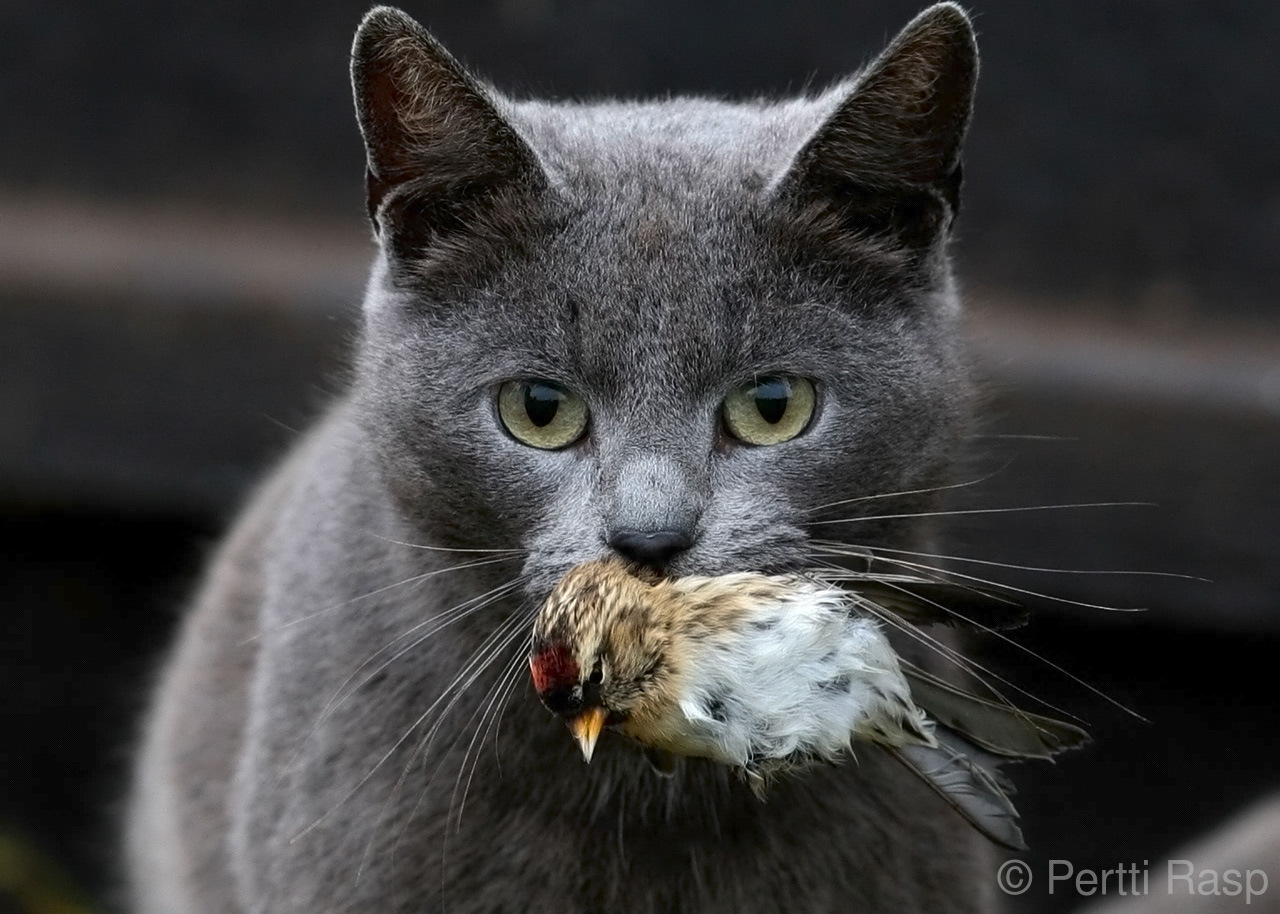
966, 778
1001, 729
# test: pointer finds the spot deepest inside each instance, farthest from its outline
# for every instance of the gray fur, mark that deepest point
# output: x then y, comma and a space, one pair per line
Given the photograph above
650, 256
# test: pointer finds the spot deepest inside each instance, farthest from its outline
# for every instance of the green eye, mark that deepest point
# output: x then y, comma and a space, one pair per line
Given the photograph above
769, 410
541, 414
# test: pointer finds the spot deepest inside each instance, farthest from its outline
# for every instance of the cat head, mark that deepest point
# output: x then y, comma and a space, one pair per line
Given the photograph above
675, 329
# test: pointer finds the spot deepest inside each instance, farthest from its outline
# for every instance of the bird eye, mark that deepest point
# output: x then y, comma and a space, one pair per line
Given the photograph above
597, 674
769, 410
542, 414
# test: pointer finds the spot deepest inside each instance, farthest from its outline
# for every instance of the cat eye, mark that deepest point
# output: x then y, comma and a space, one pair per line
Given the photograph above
769, 410
542, 414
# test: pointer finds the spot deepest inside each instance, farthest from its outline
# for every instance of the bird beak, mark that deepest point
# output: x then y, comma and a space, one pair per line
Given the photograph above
586, 729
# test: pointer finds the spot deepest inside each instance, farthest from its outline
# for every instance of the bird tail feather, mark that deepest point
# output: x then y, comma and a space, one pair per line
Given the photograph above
966, 777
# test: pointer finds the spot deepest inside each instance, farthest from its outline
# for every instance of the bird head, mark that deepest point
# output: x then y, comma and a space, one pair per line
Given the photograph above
599, 653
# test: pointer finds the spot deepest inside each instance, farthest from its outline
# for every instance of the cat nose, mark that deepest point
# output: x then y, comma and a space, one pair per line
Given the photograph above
652, 549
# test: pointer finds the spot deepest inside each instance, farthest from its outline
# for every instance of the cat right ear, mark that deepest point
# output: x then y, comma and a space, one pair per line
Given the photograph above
885, 164
442, 162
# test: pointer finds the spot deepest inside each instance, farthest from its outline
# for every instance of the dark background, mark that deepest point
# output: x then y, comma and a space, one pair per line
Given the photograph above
182, 249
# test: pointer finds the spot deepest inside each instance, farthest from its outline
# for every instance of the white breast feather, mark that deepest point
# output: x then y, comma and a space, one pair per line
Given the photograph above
801, 678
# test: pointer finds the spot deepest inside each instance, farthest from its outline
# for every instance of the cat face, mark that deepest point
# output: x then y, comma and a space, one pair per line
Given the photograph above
708, 321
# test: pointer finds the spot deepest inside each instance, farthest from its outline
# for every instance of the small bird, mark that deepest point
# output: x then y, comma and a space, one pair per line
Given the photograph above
771, 673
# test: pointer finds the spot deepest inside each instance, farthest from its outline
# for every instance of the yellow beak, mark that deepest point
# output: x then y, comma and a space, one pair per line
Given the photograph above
586, 729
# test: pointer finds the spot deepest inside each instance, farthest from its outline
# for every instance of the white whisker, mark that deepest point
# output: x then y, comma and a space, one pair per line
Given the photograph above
415, 579
905, 492
512, 628
490, 648
522, 620
965, 664
443, 619
433, 624
506, 679
1009, 587
420, 749
835, 549
1008, 437
478, 662
395, 542
1015, 510
972, 561
1026, 650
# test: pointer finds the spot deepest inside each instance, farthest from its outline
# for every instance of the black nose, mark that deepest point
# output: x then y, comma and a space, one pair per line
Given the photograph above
653, 549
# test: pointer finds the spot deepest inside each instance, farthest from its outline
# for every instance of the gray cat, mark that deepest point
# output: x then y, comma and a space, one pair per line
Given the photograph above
688, 331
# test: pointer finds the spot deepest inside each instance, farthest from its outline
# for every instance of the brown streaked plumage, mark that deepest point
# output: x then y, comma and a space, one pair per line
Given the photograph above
718, 666
606, 614
767, 674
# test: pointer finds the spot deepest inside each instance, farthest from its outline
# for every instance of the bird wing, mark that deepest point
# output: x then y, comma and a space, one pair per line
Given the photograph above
974, 737
967, 779
1001, 729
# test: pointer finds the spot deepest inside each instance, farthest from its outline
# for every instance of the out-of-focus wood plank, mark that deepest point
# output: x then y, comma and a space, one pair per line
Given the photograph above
163, 359
177, 257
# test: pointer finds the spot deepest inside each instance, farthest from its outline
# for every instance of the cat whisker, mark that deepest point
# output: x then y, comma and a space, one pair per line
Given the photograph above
497, 732
442, 620
1026, 650
479, 661
506, 682
395, 542
423, 745
936, 574
837, 550
434, 625
415, 579
512, 687
510, 634
905, 492
513, 668
1082, 571
970, 667
964, 511
965, 664
987, 582
494, 644
420, 750
1009, 437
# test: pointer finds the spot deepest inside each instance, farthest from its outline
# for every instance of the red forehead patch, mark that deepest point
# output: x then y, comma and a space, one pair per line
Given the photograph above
553, 668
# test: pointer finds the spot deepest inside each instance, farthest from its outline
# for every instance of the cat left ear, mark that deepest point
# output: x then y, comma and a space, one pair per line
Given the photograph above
886, 162
442, 159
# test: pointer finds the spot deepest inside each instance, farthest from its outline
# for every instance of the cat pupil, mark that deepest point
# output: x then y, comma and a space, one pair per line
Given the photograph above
541, 403
772, 396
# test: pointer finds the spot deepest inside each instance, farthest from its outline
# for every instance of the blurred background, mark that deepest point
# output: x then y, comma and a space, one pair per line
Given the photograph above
182, 250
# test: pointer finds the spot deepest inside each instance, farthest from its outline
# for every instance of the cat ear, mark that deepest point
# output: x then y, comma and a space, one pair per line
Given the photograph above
887, 160
442, 160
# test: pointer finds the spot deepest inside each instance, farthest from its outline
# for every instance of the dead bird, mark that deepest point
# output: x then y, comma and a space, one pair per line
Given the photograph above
770, 673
